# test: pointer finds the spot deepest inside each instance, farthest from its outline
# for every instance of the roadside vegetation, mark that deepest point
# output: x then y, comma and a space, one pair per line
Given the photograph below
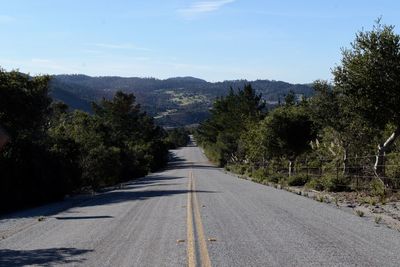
50, 152
342, 139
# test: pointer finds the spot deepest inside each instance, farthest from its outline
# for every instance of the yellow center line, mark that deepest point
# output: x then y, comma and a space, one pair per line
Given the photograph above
191, 252
205, 258
193, 206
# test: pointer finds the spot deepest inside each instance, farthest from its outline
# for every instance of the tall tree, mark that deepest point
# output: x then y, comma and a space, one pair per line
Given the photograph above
287, 132
230, 116
368, 78
334, 116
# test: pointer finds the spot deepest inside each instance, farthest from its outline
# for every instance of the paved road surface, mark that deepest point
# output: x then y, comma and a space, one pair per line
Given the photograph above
193, 214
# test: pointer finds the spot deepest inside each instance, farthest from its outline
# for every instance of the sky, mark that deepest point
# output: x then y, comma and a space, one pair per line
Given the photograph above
289, 40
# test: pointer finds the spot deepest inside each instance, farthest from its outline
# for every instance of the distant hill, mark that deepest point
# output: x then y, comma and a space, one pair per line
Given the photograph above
173, 102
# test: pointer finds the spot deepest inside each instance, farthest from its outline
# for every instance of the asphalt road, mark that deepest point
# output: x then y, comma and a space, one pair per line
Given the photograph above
193, 214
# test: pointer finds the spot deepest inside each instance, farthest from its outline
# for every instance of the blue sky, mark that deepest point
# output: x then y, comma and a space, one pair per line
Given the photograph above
294, 41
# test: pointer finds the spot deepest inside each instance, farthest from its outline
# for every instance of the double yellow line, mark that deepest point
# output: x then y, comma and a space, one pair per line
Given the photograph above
195, 228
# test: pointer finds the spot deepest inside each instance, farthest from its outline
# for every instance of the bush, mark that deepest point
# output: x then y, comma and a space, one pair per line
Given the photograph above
101, 167
177, 137
334, 183
298, 180
241, 169
377, 188
260, 174
277, 178
316, 184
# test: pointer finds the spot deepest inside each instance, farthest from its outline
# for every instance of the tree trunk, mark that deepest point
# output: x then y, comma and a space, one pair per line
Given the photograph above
379, 166
290, 167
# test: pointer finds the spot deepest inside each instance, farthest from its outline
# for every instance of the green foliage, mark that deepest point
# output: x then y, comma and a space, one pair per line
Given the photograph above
290, 99
285, 133
53, 152
230, 117
260, 174
377, 188
393, 169
369, 75
238, 168
177, 137
335, 183
277, 178
330, 182
298, 180
316, 184
101, 166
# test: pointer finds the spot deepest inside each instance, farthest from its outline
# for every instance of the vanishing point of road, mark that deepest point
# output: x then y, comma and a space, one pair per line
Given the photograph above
194, 214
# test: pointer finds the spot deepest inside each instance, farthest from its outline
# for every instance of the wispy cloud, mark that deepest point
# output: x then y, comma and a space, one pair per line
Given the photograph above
41, 60
120, 46
201, 7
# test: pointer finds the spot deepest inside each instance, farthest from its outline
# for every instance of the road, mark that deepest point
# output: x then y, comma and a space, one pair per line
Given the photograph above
194, 214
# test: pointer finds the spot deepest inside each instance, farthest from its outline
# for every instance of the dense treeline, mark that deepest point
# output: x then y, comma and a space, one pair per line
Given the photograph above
334, 132
177, 137
52, 152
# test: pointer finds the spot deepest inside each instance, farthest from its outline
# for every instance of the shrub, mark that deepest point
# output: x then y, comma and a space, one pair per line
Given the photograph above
316, 184
360, 213
277, 178
378, 219
298, 180
237, 168
260, 173
377, 188
334, 183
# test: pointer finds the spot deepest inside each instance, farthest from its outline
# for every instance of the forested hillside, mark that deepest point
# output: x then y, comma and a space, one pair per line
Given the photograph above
173, 102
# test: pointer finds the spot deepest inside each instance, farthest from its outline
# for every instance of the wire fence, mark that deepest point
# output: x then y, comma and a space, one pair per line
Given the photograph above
356, 171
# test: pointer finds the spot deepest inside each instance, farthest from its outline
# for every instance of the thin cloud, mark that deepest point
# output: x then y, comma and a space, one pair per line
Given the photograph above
120, 46
41, 60
201, 7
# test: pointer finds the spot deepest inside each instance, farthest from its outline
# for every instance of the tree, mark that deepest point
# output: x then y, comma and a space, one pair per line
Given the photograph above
368, 80
30, 172
287, 132
230, 116
338, 122
177, 137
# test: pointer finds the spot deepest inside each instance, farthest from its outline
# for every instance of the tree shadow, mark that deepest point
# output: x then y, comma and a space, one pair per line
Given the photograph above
120, 196
181, 163
120, 193
195, 166
86, 199
42, 257
83, 217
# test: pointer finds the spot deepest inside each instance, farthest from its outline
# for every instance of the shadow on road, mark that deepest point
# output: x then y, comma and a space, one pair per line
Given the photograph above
42, 257
120, 196
117, 195
176, 162
83, 217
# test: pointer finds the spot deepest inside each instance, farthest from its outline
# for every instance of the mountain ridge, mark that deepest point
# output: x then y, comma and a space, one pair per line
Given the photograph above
175, 101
